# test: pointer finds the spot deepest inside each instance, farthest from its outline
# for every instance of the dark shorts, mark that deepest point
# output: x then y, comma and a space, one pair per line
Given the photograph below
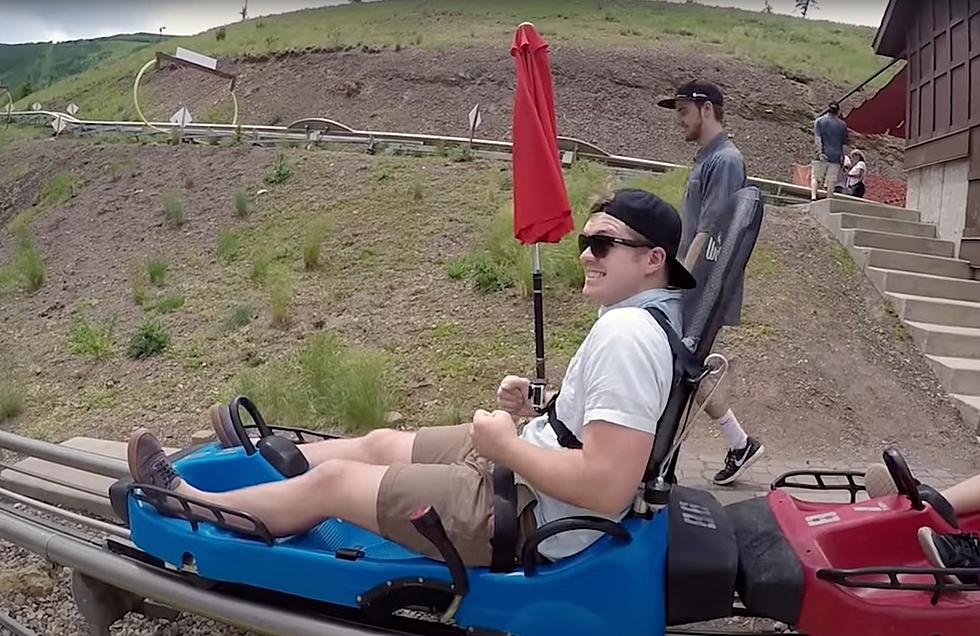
448, 474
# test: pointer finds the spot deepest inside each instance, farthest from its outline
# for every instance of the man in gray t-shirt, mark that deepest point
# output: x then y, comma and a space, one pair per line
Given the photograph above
718, 173
829, 138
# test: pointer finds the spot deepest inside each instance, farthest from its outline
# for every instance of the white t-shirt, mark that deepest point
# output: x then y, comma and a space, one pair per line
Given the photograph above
856, 173
620, 374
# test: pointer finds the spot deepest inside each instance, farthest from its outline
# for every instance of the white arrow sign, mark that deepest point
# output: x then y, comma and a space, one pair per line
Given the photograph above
182, 117
476, 118
36, 106
58, 124
72, 109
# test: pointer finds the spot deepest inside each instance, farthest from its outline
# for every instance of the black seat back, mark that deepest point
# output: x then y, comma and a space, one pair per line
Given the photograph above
717, 273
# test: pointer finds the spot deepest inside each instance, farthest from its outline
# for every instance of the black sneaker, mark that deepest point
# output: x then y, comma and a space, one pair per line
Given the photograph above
736, 461
952, 551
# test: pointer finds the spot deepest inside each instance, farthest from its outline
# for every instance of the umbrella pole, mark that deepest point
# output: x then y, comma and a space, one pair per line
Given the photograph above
537, 388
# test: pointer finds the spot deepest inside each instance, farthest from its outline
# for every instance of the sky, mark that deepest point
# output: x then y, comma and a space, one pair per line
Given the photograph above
58, 20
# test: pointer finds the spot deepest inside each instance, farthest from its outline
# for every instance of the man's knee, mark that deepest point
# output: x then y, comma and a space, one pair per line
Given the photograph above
328, 473
388, 446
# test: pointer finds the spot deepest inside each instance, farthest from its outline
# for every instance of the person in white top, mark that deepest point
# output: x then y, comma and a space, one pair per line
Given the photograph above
612, 397
855, 175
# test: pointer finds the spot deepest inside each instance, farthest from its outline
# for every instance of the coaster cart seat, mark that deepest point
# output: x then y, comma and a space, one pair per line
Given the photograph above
679, 557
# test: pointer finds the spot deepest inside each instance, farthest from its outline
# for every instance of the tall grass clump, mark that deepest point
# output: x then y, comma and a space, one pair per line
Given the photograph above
11, 400
173, 209
91, 339
327, 384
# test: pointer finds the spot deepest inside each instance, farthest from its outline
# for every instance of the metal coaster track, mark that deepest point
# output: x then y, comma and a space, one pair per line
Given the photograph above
317, 132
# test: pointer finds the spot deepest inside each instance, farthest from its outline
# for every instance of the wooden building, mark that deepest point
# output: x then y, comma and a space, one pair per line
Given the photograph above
940, 39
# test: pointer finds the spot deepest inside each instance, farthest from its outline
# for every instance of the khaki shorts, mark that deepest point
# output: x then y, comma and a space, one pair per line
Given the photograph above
826, 171
449, 475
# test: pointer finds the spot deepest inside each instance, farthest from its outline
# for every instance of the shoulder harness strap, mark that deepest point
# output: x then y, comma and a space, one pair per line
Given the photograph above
685, 366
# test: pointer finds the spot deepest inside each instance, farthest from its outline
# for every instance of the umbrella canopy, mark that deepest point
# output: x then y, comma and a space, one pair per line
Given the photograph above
541, 210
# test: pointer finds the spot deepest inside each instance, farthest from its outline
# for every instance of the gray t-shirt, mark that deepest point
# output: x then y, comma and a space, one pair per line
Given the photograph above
830, 133
718, 173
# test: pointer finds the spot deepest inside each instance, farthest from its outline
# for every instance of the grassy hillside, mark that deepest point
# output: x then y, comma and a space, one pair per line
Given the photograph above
30, 67
808, 48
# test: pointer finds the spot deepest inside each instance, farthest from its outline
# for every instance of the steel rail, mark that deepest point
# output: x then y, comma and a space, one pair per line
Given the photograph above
71, 457
54, 480
788, 192
95, 524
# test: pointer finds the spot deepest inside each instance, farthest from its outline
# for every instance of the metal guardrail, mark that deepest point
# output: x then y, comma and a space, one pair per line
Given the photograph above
408, 143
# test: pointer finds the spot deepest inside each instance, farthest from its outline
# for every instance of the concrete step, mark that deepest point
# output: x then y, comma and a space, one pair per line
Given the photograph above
969, 407
915, 284
944, 340
939, 311
958, 375
896, 242
877, 224
831, 206
912, 262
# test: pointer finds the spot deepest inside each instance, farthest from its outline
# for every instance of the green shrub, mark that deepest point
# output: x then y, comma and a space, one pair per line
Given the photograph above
170, 303
311, 250
150, 339
58, 189
28, 266
227, 247
91, 339
173, 209
156, 269
239, 316
137, 284
281, 172
243, 204
11, 400
280, 289
220, 34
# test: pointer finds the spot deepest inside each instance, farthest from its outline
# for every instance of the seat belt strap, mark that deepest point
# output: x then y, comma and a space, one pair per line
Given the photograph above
684, 362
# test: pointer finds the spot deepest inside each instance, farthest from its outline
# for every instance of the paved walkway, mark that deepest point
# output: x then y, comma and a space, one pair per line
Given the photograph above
696, 471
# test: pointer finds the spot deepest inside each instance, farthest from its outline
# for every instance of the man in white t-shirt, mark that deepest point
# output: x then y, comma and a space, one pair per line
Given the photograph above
612, 396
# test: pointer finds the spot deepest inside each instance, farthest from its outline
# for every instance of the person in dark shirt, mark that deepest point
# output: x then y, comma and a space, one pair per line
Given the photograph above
718, 173
829, 139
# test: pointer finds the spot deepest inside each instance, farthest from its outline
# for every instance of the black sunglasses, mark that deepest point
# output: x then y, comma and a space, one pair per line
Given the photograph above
600, 244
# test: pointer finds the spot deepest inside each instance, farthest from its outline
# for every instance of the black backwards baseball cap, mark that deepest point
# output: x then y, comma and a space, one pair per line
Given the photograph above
655, 220
696, 91
833, 107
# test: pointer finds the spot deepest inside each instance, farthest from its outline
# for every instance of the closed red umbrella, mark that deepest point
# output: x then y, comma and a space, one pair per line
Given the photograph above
541, 209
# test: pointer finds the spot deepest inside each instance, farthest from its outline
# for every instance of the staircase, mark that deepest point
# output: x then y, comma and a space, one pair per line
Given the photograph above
936, 296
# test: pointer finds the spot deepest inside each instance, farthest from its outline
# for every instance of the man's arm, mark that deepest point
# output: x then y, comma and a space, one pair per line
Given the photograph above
602, 476
718, 186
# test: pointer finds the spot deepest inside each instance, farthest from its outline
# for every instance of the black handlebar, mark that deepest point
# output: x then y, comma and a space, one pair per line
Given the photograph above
529, 553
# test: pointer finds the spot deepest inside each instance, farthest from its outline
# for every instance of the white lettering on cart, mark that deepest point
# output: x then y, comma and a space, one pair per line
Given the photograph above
822, 519
695, 515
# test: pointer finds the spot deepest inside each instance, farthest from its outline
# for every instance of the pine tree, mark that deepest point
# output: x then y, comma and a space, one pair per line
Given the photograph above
803, 6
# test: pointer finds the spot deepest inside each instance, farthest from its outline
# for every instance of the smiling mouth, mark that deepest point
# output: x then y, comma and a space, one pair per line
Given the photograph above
593, 275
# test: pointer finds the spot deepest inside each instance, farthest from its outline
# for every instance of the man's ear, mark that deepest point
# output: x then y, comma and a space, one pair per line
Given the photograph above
656, 259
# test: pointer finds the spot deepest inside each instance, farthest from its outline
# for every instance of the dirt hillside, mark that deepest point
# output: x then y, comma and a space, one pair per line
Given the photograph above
606, 96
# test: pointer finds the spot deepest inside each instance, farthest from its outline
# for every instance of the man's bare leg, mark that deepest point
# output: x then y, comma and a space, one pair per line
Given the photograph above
334, 488
742, 449
965, 496
382, 447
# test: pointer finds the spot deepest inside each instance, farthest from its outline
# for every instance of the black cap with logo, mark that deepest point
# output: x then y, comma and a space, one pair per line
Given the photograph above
696, 91
658, 222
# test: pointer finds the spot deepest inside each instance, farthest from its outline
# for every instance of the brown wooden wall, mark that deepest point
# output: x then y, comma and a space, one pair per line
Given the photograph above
943, 124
